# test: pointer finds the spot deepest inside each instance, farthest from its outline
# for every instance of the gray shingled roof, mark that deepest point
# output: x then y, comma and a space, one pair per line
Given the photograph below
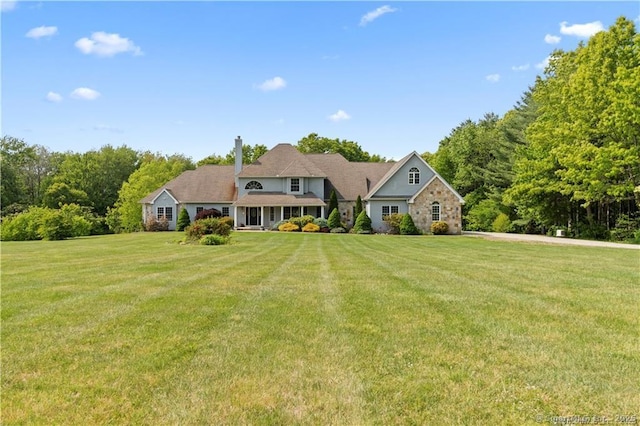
348, 179
206, 184
284, 160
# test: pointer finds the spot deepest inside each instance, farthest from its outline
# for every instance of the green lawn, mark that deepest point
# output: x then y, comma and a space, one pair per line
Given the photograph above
317, 329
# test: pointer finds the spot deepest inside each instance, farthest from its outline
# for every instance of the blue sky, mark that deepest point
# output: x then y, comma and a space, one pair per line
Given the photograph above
188, 77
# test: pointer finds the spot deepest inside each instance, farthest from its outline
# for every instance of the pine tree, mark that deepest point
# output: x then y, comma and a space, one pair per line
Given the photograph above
407, 227
183, 220
358, 207
334, 219
333, 201
363, 223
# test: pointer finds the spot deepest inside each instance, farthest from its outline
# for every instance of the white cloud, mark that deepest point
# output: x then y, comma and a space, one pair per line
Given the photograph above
7, 5
545, 62
520, 67
85, 93
276, 83
494, 78
375, 14
104, 44
581, 30
41, 32
54, 97
551, 39
339, 116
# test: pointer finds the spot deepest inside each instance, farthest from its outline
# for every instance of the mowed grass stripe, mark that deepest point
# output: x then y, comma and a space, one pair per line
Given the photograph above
316, 329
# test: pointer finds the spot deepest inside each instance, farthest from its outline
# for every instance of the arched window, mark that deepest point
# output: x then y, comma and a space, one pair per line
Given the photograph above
254, 184
414, 176
435, 211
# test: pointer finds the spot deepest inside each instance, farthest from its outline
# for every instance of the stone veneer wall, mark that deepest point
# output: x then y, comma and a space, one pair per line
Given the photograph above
450, 208
346, 212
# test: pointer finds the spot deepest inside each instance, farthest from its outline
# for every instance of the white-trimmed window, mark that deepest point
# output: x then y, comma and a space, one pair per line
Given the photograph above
414, 176
254, 184
225, 211
199, 209
387, 210
294, 185
272, 214
435, 211
165, 212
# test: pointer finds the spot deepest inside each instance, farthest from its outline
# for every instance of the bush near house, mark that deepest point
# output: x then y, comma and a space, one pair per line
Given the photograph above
183, 220
393, 222
439, 228
363, 223
334, 219
288, 227
152, 224
407, 227
213, 240
207, 213
322, 223
310, 227
301, 221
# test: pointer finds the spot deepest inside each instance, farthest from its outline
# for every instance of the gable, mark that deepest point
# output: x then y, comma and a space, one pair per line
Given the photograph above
396, 182
206, 184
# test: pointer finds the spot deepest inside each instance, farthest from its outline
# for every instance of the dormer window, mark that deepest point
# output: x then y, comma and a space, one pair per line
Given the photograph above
295, 185
414, 176
254, 184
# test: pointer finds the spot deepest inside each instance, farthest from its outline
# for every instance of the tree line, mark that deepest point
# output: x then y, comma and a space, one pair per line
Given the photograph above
567, 155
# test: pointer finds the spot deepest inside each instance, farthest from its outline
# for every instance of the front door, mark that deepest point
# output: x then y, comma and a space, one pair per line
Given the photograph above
254, 216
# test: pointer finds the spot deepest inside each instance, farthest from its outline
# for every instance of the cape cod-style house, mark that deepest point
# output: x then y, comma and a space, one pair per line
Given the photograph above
285, 183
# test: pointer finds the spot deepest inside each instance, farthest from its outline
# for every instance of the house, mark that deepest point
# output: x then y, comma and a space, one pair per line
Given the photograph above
285, 183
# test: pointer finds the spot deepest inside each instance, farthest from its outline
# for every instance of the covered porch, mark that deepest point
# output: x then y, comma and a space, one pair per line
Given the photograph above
260, 210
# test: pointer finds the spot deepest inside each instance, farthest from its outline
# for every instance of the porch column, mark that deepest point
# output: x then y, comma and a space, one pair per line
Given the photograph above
235, 217
281, 212
321, 211
261, 215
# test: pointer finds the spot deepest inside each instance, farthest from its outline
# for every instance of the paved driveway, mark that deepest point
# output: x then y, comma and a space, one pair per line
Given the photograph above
550, 240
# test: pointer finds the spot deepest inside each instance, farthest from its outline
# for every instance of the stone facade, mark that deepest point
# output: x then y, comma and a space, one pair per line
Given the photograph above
450, 207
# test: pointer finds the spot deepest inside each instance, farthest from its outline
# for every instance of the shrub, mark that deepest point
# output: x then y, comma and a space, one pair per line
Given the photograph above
407, 227
338, 230
183, 220
358, 208
310, 227
482, 215
301, 221
210, 226
321, 222
37, 223
626, 228
288, 227
152, 224
393, 222
363, 223
334, 219
502, 223
213, 240
228, 220
439, 227
208, 213
276, 226
333, 202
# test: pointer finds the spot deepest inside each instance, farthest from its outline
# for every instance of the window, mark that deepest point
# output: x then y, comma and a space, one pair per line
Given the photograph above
414, 176
272, 214
386, 210
295, 185
165, 212
225, 211
159, 213
199, 209
286, 213
435, 212
254, 184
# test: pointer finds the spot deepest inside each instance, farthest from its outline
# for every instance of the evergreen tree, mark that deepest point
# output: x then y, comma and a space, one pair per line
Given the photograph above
407, 227
183, 220
333, 201
334, 219
363, 223
358, 207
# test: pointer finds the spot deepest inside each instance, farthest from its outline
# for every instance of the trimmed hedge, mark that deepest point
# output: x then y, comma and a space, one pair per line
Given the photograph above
439, 228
